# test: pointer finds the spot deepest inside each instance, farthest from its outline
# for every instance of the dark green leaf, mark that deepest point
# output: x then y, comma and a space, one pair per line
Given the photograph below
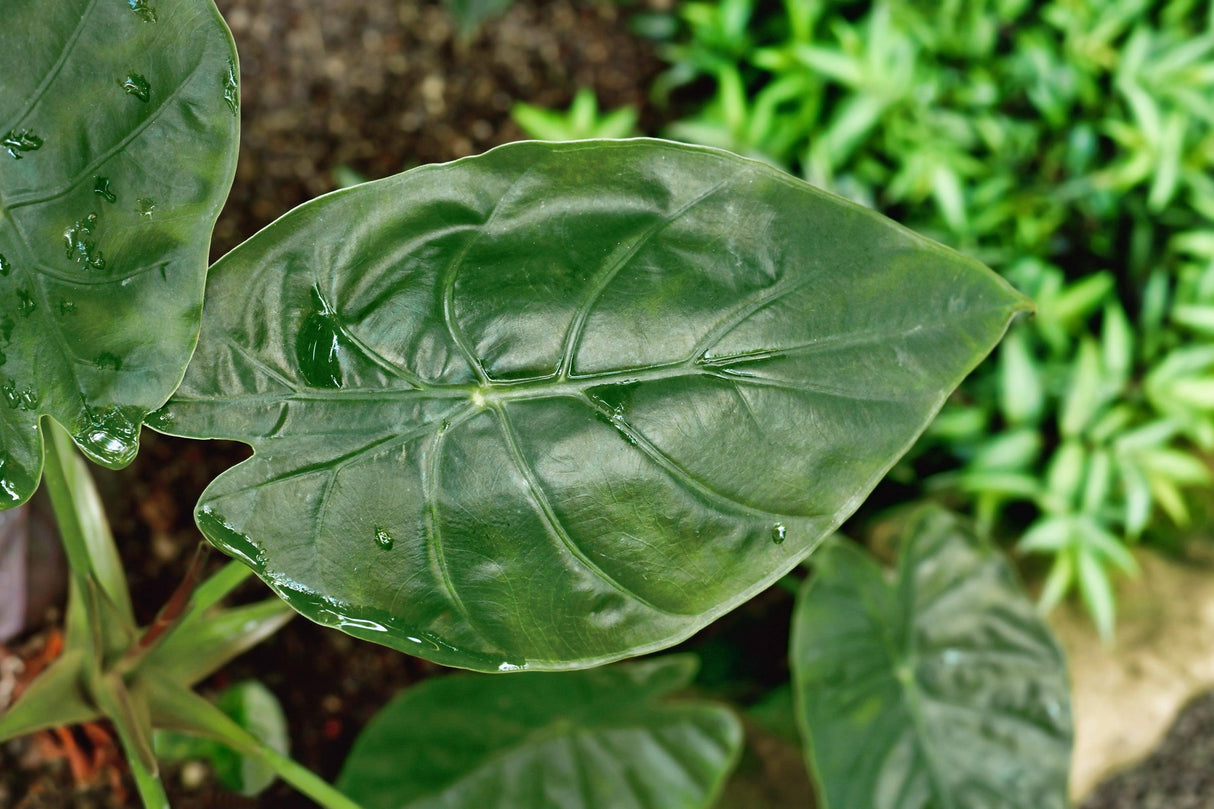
943, 689
579, 740
564, 403
118, 131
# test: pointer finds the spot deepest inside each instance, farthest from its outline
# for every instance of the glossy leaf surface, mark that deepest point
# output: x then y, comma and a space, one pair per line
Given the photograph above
564, 403
943, 689
118, 129
573, 740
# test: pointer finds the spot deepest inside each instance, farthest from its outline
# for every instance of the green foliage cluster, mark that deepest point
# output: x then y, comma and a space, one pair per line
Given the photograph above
1069, 144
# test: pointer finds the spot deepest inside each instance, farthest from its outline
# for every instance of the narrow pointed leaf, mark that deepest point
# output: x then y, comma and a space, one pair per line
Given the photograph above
55, 698
942, 689
574, 740
118, 132
205, 643
564, 403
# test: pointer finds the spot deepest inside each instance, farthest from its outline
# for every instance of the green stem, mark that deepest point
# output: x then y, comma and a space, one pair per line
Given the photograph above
218, 586
300, 777
64, 506
147, 783
182, 710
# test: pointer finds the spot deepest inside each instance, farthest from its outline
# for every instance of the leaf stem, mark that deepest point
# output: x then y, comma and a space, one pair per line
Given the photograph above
64, 506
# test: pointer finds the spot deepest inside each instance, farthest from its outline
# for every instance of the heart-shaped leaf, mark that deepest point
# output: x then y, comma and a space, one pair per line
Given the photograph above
574, 740
944, 689
564, 403
118, 131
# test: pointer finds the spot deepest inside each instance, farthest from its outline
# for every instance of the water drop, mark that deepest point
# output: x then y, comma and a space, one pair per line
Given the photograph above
82, 248
67, 307
23, 399
383, 539
146, 206
110, 436
107, 361
136, 85
512, 666
25, 303
101, 187
318, 345
13, 479
231, 88
16, 142
145, 11
5, 267
778, 533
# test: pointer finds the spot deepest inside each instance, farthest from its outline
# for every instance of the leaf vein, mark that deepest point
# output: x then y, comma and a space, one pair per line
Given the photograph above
536, 490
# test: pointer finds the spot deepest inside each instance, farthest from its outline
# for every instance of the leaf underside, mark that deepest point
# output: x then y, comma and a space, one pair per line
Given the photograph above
563, 403
118, 131
944, 689
573, 740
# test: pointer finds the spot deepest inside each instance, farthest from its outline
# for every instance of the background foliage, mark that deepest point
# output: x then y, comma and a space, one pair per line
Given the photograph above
1069, 145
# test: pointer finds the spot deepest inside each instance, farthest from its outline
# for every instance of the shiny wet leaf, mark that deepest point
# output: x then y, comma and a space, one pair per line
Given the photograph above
117, 148
564, 403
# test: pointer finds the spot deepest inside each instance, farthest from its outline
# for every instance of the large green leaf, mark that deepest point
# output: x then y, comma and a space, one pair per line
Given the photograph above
942, 690
118, 130
563, 403
574, 740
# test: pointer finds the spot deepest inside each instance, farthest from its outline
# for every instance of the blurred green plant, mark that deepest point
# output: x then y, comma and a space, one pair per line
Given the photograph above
581, 120
1070, 145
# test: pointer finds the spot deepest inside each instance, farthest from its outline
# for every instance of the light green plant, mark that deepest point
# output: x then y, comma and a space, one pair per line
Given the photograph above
582, 120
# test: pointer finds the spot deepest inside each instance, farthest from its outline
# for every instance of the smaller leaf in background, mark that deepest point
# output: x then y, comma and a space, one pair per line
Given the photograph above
579, 740
583, 120
252, 706
469, 15
942, 688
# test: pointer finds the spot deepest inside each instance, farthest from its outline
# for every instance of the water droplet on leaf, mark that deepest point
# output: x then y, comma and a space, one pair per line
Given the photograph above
778, 533
23, 399
18, 141
101, 187
13, 479
110, 436
5, 267
80, 246
145, 11
318, 345
67, 307
383, 539
146, 206
136, 85
231, 88
26, 303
